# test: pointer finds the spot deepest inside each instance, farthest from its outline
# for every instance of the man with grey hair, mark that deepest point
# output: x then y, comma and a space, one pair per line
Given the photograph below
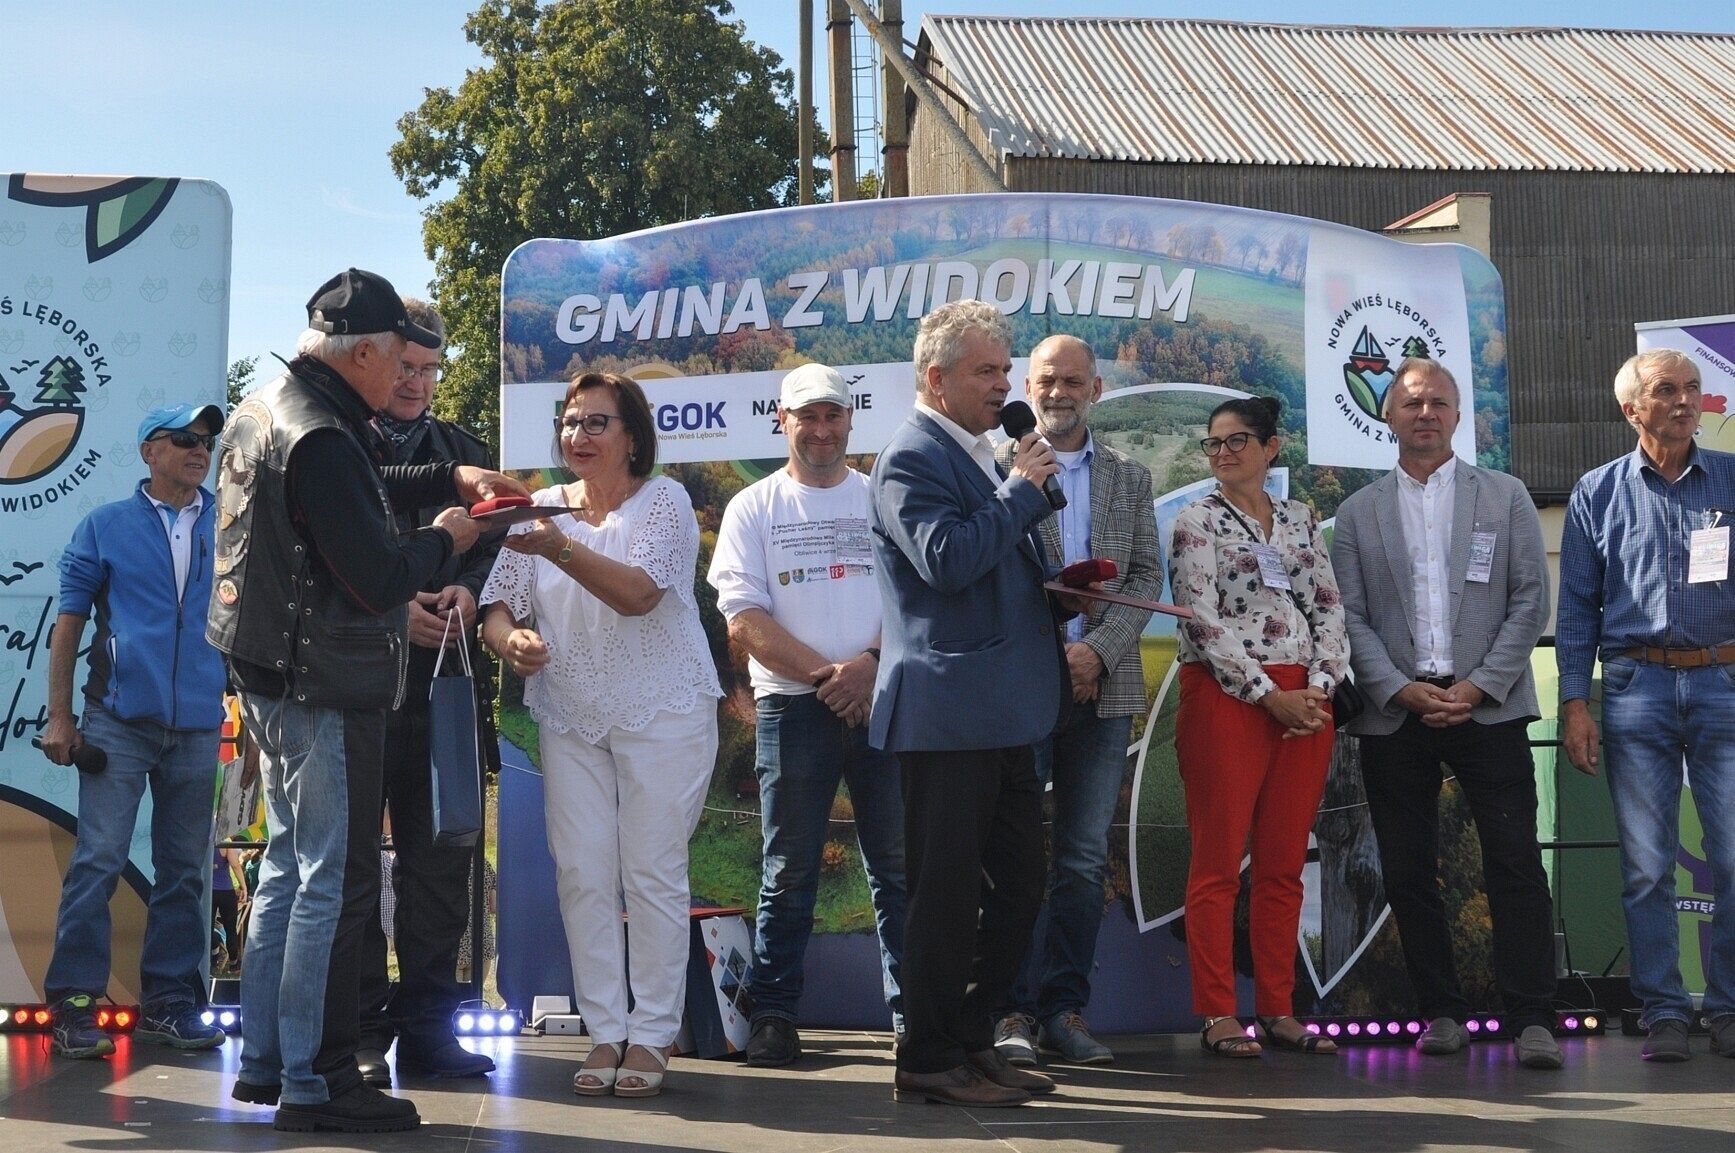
1645, 585
1445, 593
431, 880
311, 579
971, 677
1107, 515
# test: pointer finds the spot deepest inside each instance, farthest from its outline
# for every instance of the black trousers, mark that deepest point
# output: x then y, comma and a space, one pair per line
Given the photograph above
433, 901
1402, 774
974, 867
225, 907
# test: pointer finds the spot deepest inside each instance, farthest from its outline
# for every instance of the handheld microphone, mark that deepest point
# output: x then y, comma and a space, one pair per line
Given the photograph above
1016, 420
87, 757
1082, 574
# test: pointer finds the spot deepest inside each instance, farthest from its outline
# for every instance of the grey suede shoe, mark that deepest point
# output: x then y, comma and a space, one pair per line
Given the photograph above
1536, 1048
1442, 1038
1666, 1042
1067, 1035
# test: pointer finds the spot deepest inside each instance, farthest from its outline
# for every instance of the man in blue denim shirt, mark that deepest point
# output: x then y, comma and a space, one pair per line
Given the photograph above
1644, 581
794, 574
153, 706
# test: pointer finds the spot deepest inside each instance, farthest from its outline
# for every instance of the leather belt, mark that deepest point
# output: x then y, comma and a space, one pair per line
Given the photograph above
1683, 658
1437, 682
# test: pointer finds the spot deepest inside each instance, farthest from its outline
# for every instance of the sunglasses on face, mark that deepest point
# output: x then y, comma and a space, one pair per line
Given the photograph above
1234, 442
181, 438
594, 424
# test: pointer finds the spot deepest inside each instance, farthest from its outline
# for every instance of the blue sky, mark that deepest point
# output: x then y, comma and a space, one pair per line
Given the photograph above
292, 106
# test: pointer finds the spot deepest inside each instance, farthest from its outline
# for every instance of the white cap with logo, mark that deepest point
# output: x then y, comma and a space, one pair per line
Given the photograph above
814, 384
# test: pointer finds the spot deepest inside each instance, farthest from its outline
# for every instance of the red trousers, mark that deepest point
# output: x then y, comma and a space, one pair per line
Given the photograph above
1247, 789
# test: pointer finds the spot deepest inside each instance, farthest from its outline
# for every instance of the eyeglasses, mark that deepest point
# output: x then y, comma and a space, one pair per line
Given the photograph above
593, 424
181, 438
1234, 442
408, 371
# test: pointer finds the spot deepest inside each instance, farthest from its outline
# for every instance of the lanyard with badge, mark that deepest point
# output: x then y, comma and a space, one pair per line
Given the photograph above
1271, 571
1708, 549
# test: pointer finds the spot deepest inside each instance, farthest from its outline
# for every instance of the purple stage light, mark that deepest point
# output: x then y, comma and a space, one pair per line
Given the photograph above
1373, 1028
1332, 1029
1414, 1028
1473, 1026
1493, 1025
1313, 1028
1571, 1024
1354, 1029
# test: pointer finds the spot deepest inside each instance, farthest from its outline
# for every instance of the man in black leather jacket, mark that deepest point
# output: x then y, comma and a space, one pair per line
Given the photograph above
312, 578
432, 881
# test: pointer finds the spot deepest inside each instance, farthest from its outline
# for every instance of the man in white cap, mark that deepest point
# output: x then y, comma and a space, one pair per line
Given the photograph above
794, 574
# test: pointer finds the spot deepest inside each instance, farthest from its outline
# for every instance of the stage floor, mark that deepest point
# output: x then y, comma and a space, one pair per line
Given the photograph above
1163, 1094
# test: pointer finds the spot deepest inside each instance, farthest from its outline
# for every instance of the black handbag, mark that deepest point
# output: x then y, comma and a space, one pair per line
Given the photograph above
1347, 702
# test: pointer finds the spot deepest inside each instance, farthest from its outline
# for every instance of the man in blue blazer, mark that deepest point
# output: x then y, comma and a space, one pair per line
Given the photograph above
971, 676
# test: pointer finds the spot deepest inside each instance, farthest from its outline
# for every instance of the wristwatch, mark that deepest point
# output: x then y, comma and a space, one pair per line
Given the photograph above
565, 553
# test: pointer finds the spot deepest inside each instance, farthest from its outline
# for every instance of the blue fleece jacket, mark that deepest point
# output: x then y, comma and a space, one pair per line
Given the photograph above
149, 659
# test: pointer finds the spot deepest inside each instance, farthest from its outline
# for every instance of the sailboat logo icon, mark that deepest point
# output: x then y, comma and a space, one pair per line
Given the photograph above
1368, 372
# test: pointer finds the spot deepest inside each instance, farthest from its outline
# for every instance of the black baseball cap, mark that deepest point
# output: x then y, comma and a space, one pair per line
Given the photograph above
358, 303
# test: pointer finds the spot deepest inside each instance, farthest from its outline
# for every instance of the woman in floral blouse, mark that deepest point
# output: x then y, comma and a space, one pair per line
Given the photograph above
1260, 657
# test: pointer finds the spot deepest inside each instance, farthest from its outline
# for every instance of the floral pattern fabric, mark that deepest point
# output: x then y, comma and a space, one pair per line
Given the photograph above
1239, 624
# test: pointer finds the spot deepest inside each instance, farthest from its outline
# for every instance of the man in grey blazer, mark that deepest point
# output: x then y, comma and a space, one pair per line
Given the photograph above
1445, 592
970, 677
1107, 515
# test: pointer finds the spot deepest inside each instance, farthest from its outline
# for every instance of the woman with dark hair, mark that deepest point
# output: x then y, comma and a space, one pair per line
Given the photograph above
1264, 650
595, 609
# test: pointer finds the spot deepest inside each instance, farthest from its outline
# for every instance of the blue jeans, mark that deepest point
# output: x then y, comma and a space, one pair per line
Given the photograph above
1085, 760
180, 765
318, 883
1651, 716
803, 751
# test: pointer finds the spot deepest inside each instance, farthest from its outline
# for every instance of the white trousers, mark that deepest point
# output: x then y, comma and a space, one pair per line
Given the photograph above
619, 814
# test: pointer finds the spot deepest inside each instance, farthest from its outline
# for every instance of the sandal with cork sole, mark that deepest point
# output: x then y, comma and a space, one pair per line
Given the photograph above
598, 1080
651, 1080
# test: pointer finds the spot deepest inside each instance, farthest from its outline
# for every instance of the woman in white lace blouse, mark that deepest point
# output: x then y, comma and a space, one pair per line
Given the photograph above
595, 609
1264, 650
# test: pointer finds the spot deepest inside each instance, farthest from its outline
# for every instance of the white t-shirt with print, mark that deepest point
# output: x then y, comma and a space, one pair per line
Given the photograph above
804, 555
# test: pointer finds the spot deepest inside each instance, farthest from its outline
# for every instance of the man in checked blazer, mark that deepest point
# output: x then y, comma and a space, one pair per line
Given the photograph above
1445, 592
1108, 515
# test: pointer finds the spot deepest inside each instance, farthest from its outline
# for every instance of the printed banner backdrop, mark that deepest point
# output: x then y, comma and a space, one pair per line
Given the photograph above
1710, 341
114, 298
1185, 304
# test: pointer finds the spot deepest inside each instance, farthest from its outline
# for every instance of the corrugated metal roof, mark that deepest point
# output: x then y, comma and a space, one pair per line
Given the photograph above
1197, 91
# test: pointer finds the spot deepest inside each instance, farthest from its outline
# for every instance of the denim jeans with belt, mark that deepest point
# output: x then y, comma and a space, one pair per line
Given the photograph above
1651, 716
1084, 762
180, 766
804, 749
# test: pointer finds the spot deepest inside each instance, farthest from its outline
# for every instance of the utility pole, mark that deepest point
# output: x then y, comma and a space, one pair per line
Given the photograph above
804, 131
896, 132
837, 27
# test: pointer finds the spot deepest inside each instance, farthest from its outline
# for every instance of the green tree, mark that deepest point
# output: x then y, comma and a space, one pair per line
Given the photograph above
241, 378
62, 380
587, 118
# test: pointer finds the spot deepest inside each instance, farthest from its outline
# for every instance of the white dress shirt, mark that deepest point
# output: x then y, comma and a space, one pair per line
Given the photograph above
180, 524
978, 446
1426, 512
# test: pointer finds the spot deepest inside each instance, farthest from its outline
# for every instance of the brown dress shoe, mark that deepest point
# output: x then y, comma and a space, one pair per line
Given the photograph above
993, 1065
959, 1086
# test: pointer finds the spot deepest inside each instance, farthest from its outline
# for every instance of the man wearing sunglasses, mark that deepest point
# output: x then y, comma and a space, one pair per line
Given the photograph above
153, 705
432, 881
